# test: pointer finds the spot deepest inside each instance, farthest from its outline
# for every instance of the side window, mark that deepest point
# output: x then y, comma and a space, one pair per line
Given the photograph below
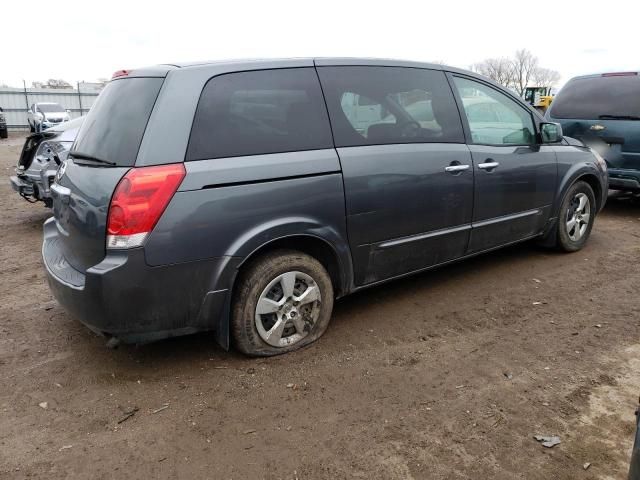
259, 112
386, 105
494, 118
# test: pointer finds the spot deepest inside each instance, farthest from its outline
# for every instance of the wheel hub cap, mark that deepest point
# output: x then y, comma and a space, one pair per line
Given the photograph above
578, 215
287, 309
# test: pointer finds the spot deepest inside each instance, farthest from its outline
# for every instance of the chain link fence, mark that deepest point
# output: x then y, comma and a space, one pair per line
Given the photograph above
16, 101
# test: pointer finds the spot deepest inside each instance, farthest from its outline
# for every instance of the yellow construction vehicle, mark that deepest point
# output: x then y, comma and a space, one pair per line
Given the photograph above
539, 97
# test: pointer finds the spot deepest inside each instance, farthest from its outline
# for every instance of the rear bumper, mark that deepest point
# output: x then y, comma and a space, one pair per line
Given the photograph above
124, 297
21, 186
624, 179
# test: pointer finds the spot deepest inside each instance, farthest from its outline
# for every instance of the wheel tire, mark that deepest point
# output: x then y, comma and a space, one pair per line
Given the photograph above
253, 283
566, 241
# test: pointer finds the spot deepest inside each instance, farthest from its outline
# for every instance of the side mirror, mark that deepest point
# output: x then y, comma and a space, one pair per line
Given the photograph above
551, 132
68, 110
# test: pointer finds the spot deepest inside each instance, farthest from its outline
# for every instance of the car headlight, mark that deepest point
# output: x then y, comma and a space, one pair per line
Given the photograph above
602, 163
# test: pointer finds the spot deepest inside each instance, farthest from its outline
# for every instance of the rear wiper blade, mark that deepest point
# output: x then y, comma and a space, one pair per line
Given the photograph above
91, 158
619, 117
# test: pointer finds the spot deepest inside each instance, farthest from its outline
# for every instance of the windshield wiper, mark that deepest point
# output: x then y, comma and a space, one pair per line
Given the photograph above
619, 117
91, 158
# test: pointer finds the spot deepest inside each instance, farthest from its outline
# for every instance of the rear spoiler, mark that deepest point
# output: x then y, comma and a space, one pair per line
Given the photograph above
156, 71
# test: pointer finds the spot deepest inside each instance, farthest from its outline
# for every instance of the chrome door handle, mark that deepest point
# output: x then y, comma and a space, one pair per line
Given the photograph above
488, 165
456, 168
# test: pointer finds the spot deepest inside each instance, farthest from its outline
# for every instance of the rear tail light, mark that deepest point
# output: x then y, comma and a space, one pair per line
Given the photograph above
138, 202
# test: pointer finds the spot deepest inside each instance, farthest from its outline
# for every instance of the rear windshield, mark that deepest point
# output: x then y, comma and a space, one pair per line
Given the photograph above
593, 97
115, 124
50, 108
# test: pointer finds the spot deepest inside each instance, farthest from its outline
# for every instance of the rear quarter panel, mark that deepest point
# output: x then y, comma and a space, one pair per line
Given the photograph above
231, 207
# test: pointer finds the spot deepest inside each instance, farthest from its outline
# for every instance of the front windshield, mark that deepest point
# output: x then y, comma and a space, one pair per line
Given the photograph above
50, 108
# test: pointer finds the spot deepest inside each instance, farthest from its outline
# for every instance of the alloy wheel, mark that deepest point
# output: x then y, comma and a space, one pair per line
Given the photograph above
287, 309
578, 215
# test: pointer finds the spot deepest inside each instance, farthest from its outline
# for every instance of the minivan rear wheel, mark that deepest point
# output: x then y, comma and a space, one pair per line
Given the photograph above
282, 302
576, 217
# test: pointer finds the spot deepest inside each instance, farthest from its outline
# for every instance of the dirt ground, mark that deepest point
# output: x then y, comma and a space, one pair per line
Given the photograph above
445, 375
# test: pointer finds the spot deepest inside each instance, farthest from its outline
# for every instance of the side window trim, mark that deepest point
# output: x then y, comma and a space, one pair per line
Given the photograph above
326, 107
466, 131
465, 122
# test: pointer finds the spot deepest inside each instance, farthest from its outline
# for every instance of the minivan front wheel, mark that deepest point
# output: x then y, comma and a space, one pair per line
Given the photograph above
283, 301
577, 214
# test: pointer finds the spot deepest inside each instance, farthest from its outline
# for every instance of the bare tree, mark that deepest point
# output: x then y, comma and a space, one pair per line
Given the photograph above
545, 77
52, 83
58, 83
499, 70
517, 73
524, 66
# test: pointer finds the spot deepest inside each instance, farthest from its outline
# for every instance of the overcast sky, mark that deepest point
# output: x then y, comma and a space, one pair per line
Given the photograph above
86, 39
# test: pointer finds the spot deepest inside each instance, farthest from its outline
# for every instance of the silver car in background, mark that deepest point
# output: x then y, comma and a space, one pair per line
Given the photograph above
44, 115
41, 156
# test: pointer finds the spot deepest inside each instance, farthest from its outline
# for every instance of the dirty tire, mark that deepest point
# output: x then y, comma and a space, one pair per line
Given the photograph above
565, 242
252, 283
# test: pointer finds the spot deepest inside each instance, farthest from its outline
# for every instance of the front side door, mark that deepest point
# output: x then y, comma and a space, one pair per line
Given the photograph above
515, 176
407, 173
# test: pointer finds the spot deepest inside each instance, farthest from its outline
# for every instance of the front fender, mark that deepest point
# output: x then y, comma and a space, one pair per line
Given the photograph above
575, 162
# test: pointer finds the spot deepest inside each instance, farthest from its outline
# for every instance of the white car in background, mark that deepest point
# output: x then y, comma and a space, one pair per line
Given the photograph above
44, 115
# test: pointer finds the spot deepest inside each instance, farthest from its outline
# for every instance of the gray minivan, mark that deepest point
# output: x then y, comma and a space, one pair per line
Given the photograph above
243, 197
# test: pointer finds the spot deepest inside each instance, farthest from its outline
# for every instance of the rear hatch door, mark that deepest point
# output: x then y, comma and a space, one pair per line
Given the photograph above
604, 112
105, 149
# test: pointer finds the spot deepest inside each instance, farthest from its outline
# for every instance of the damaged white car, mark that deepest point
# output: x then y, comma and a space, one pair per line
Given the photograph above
41, 156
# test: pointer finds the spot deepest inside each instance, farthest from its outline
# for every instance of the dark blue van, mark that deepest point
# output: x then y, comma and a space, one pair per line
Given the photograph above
603, 111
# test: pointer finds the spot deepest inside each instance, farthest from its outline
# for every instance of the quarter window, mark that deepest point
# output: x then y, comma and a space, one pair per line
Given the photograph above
386, 105
494, 118
260, 112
